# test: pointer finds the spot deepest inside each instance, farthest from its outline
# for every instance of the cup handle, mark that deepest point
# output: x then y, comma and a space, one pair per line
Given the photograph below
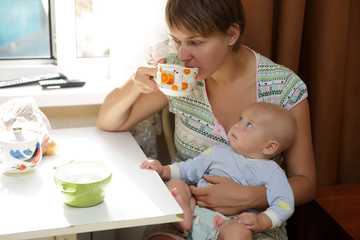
68, 189
155, 78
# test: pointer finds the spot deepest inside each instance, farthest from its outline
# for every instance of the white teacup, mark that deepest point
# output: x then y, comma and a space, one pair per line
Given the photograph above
20, 152
176, 80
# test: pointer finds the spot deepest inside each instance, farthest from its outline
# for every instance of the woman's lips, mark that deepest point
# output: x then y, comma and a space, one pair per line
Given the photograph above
190, 66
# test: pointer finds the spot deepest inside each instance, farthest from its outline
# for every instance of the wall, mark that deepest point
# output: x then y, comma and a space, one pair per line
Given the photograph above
73, 116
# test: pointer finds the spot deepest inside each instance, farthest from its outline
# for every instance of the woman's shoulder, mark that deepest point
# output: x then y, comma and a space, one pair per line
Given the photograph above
270, 68
272, 73
279, 84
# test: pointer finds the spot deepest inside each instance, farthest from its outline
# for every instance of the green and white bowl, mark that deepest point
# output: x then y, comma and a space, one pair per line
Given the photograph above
83, 183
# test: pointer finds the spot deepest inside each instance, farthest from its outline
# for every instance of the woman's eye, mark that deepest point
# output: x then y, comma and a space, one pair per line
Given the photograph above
176, 41
195, 43
249, 125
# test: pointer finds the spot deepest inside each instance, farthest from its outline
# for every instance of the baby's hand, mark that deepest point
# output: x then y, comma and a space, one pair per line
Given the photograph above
255, 222
154, 164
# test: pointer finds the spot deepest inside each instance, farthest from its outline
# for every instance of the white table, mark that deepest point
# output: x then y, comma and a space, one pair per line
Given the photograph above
31, 205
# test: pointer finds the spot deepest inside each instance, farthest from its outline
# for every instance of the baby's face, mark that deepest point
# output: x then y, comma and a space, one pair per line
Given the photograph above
249, 135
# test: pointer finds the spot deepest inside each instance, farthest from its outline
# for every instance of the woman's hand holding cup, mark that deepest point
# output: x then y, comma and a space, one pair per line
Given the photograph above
144, 77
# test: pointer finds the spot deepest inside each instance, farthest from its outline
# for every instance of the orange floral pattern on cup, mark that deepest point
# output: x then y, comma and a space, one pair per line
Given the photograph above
175, 80
171, 78
167, 78
187, 71
164, 78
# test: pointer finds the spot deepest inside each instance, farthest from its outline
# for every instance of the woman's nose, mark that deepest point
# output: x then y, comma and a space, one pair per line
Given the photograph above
184, 54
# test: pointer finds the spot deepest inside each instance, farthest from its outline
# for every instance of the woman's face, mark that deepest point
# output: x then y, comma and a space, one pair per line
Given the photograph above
205, 53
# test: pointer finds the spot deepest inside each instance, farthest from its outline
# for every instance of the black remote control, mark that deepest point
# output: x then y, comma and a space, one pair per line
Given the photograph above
61, 83
30, 79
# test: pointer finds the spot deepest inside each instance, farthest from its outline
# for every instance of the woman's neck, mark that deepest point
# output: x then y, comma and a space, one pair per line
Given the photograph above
234, 67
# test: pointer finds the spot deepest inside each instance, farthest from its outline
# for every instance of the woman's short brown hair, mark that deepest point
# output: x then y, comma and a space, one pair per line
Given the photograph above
205, 17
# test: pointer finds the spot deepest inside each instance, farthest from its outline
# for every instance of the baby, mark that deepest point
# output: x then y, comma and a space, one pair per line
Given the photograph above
263, 131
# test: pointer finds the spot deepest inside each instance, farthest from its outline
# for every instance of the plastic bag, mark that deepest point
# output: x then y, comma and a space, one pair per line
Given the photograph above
24, 113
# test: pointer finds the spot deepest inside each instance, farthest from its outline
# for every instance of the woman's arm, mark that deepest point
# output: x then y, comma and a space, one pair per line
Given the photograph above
230, 198
138, 99
299, 157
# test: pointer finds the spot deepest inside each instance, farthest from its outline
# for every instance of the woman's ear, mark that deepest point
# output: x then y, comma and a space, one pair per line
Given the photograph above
233, 33
271, 147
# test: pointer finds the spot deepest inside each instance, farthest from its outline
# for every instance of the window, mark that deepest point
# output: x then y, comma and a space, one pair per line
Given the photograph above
25, 29
92, 35
86, 39
41, 36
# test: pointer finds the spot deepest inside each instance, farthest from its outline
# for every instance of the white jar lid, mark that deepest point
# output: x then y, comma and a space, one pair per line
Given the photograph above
18, 135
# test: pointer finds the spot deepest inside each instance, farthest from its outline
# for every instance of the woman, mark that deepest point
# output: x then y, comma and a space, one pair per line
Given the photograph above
207, 34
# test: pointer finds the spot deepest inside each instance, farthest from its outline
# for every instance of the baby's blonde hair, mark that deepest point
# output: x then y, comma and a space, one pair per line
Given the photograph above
280, 124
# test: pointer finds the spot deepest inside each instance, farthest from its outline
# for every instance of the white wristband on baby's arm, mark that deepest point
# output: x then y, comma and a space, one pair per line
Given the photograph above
174, 170
273, 217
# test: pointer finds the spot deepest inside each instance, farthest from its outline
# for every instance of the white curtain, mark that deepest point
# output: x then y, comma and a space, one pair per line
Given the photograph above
138, 27
139, 36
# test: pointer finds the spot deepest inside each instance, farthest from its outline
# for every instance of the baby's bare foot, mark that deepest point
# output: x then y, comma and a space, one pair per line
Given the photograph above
186, 224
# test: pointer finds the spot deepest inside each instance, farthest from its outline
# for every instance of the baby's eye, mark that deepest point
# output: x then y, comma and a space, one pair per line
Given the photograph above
249, 125
240, 119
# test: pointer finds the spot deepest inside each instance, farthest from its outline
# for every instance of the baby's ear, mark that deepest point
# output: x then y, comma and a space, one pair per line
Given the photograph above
271, 147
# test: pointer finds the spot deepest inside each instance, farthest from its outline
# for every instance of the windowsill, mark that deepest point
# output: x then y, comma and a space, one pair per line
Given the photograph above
92, 93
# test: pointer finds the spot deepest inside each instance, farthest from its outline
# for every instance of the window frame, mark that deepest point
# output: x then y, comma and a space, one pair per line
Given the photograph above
63, 44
